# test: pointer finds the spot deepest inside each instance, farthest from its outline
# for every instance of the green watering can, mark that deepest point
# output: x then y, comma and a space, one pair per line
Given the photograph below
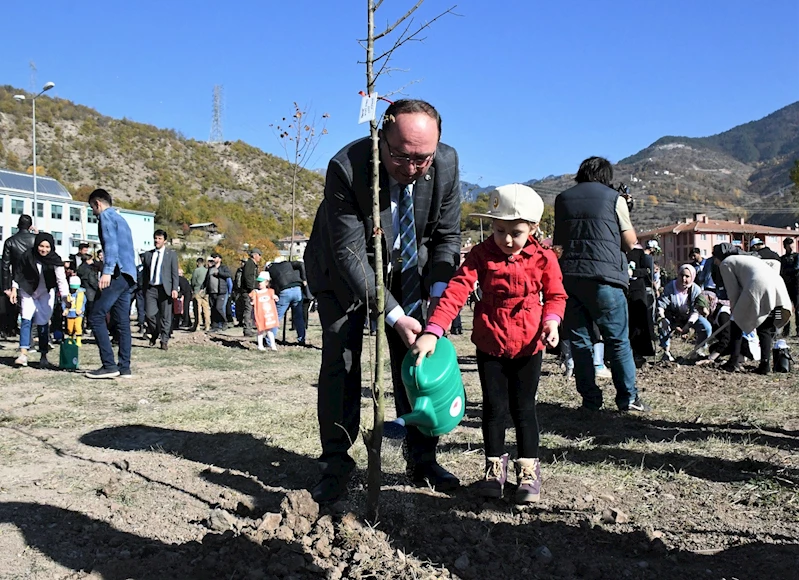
435, 391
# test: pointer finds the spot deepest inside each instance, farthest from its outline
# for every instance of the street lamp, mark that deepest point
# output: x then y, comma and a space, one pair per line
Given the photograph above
21, 98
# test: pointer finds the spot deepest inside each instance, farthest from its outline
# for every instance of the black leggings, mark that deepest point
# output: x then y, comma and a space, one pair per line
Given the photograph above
509, 383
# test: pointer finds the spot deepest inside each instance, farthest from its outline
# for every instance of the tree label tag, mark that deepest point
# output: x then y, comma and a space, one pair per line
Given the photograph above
368, 108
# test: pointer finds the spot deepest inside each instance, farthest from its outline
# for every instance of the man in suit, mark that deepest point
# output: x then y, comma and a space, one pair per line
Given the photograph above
420, 241
161, 285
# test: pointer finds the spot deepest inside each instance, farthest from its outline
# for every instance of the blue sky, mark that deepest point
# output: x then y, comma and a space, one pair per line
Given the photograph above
525, 88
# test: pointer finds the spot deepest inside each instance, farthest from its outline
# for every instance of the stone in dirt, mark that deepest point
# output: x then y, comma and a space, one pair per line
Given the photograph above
462, 562
543, 555
301, 503
614, 516
270, 523
220, 521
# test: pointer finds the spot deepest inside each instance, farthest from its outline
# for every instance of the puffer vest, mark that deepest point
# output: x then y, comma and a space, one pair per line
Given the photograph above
587, 229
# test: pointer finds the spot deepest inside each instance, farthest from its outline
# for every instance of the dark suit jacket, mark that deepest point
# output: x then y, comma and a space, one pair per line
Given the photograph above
169, 270
341, 250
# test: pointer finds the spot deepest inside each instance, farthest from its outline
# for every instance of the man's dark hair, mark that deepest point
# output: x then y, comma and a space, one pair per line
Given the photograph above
83, 245
595, 169
102, 195
405, 106
161, 233
24, 222
200, 261
696, 251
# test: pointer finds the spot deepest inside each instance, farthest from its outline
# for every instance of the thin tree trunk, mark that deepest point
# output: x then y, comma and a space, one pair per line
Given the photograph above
374, 438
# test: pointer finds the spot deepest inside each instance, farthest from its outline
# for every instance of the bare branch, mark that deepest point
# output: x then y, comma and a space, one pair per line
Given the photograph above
398, 22
402, 88
377, 5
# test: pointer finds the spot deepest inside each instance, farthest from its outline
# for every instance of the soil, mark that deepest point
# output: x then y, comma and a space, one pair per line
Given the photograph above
198, 468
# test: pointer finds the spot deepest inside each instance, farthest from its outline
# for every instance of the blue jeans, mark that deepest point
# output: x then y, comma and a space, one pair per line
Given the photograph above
25, 335
702, 328
114, 300
292, 297
591, 301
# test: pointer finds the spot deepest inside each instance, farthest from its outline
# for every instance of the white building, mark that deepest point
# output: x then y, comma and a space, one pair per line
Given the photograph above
71, 222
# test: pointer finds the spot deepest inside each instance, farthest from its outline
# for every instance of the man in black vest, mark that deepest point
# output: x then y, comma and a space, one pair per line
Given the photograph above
592, 225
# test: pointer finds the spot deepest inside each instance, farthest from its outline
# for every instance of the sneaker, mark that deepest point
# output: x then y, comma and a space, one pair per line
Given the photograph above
21, 360
703, 352
602, 372
528, 480
638, 405
261, 348
102, 373
496, 474
125, 374
667, 357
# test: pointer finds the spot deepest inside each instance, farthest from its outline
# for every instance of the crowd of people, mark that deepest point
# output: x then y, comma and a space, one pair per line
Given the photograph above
592, 291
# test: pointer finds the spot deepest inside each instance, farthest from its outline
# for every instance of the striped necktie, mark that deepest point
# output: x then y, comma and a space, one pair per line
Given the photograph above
409, 256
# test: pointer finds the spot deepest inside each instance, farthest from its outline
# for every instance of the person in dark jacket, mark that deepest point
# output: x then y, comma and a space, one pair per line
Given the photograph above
90, 282
13, 250
592, 225
789, 270
182, 318
217, 289
248, 284
288, 283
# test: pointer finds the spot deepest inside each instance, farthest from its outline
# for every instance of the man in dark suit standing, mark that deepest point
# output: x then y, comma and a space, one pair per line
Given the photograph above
161, 284
420, 241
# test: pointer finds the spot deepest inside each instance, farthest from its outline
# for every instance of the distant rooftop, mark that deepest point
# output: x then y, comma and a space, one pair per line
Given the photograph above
24, 183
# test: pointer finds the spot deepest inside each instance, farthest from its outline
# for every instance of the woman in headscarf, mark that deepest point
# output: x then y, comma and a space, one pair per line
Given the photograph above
42, 271
758, 298
678, 310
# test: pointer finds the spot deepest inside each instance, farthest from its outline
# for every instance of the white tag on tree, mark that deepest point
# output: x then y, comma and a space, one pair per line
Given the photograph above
368, 108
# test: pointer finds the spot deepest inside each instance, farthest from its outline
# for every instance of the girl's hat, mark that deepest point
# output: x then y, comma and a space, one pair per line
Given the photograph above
264, 277
514, 202
74, 282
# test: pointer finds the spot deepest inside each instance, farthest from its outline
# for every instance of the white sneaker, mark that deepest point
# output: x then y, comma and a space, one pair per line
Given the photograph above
602, 372
704, 352
21, 360
261, 348
667, 357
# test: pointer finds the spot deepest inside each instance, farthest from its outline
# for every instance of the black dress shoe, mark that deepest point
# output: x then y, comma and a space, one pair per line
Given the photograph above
433, 475
331, 488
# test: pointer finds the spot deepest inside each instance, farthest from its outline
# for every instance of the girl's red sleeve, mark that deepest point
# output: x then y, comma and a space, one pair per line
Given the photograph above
457, 292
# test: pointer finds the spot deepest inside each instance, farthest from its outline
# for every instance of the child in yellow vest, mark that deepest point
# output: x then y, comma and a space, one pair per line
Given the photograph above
75, 309
264, 311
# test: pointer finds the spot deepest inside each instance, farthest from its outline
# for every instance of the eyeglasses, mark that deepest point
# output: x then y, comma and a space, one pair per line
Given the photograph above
400, 159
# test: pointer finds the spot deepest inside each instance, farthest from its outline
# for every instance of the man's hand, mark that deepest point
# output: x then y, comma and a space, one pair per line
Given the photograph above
105, 281
550, 335
12, 295
174, 294
424, 346
408, 328
8, 292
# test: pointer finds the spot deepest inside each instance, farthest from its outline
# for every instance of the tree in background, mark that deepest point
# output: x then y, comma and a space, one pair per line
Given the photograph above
795, 176
299, 137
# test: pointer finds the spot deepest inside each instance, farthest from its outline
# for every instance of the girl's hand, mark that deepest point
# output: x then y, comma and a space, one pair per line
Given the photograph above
424, 346
550, 336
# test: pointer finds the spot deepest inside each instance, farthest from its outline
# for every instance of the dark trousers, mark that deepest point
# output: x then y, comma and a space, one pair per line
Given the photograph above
141, 309
246, 314
765, 334
339, 390
509, 384
87, 314
114, 300
218, 313
159, 312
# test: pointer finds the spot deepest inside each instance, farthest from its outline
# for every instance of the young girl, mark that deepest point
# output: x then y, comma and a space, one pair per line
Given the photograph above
42, 270
264, 311
523, 303
74, 309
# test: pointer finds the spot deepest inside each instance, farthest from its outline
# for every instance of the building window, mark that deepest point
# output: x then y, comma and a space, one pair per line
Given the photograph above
74, 214
704, 252
704, 237
1, 204
93, 238
17, 206
1, 232
721, 237
58, 237
14, 230
91, 218
56, 211
772, 239
39, 209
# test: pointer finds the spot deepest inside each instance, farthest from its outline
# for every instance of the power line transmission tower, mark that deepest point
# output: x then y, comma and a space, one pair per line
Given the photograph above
216, 118
33, 86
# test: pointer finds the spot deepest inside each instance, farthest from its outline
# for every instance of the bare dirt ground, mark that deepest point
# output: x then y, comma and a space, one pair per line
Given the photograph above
197, 468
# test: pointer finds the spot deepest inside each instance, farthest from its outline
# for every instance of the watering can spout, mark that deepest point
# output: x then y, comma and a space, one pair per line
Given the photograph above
423, 414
